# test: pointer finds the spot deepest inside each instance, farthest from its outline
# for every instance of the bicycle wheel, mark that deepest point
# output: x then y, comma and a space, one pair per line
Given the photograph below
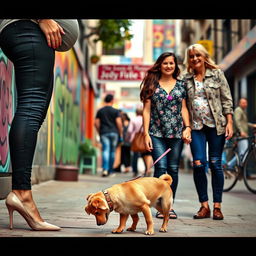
250, 171
230, 175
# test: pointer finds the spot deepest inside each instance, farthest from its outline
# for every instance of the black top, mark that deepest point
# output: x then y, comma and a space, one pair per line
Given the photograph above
107, 116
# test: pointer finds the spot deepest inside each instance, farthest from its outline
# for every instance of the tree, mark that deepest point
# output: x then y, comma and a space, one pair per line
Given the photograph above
111, 32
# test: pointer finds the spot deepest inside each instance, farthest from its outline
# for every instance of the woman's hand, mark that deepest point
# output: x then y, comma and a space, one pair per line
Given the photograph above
52, 31
148, 143
229, 131
186, 135
229, 127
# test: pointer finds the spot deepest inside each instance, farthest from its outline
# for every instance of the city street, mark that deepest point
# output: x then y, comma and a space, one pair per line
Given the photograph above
62, 203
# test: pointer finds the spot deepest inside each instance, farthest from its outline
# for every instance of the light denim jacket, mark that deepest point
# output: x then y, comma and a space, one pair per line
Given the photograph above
218, 95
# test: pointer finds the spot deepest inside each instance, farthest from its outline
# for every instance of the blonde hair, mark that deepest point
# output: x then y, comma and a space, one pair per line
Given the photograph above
209, 63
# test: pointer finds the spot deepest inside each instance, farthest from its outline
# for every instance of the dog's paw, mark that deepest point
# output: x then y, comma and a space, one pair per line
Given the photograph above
149, 232
117, 231
163, 230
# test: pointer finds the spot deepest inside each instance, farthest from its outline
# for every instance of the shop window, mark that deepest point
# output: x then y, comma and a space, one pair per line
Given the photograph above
226, 37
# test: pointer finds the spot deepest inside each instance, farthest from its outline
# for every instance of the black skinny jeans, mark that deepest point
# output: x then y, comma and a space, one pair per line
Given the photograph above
25, 45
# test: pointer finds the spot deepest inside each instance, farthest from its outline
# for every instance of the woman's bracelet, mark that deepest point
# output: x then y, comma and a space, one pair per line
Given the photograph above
188, 127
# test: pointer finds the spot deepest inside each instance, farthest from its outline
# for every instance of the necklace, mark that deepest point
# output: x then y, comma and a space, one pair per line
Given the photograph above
169, 97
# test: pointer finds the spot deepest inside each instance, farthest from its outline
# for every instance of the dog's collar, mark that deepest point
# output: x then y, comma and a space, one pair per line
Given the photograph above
108, 199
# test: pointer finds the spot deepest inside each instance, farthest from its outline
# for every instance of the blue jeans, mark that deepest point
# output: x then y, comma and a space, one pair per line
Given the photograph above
109, 143
215, 148
170, 162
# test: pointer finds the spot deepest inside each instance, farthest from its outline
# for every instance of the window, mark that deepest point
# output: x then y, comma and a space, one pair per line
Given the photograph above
252, 23
226, 37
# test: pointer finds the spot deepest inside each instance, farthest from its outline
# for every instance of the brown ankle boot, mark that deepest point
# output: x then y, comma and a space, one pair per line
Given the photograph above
217, 214
203, 213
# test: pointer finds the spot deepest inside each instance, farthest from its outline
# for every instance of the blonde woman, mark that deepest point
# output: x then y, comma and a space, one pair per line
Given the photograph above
210, 108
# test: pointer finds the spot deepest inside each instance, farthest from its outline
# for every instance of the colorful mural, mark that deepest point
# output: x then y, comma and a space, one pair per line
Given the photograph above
66, 107
61, 133
7, 101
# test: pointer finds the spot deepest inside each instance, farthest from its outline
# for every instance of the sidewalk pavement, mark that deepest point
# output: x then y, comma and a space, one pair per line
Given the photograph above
62, 203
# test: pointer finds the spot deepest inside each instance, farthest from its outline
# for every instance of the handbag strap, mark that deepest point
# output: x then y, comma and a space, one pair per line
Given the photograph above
141, 127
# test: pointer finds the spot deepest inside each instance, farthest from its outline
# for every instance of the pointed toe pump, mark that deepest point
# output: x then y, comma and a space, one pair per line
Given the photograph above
13, 203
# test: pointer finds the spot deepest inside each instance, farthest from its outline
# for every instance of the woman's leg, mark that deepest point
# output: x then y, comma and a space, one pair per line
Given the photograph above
198, 150
159, 147
216, 144
135, 157
33, 62
173, 161
25, 45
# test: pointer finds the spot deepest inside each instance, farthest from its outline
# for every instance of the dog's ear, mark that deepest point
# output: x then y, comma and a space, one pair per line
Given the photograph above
88, 196
103, 205
98, 203
88, 209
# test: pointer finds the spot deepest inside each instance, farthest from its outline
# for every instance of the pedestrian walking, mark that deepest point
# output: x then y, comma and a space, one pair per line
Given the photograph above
30, 45
125, 158
134, 127
108, 124
165, 117
210, 108
241, 130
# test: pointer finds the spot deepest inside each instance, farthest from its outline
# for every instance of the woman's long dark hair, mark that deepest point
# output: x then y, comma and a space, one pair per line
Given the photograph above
153, 75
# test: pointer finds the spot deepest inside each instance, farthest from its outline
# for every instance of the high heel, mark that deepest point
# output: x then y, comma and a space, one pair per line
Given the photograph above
13, 203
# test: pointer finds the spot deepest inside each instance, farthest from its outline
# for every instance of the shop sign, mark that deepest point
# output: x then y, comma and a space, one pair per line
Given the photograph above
107, 73
208, 45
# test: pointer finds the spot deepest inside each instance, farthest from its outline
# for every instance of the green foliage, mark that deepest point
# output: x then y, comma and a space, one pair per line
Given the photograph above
113, 32
87, 149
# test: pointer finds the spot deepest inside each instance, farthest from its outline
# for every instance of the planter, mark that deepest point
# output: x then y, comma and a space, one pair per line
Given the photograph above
66, 173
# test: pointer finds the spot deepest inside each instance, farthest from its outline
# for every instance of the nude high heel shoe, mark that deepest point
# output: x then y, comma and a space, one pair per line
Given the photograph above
13, 203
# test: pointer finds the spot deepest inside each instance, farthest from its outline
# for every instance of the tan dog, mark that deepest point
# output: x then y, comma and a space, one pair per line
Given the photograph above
131, 197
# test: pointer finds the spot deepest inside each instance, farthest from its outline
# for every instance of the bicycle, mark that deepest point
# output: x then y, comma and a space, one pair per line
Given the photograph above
245, 167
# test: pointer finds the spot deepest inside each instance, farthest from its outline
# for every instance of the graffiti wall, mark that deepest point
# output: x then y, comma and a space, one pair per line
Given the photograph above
7, 102
62, 131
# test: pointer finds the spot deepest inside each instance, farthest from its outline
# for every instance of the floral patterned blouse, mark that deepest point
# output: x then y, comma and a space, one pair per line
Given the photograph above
201, 109
166, 119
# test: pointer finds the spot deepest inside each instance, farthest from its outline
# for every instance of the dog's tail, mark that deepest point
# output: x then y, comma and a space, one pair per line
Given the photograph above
167, 178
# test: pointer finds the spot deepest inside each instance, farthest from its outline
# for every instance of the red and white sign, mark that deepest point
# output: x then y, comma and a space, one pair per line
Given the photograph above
107, 73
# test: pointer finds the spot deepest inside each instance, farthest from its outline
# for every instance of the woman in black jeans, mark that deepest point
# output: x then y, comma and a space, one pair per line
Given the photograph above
30, 46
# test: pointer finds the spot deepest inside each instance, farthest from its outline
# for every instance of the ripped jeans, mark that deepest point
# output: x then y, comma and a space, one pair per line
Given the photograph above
215, 148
